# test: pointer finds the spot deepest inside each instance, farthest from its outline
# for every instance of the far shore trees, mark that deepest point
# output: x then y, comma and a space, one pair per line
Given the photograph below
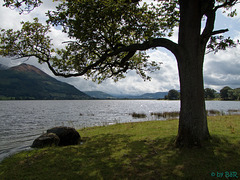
209, 93
228, 93
110, 37
173, 95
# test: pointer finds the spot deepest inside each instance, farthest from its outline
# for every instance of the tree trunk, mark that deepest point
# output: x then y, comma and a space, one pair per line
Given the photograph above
193, 127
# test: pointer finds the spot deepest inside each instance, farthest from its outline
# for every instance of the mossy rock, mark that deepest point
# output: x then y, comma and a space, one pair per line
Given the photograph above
47, 139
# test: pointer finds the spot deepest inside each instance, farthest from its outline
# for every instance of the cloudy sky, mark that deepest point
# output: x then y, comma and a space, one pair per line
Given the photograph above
220, 69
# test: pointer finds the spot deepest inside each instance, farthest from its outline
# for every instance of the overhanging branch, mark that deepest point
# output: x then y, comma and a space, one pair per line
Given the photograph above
122, 65
157, 42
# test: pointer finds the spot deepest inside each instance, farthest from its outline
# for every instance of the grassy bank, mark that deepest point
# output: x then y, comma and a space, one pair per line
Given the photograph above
134, 151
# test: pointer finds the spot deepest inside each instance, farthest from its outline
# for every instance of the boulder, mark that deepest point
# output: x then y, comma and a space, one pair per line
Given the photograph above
67, 135
48, 139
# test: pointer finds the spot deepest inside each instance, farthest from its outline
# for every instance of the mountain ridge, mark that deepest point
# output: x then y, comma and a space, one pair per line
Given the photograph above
28, 68
28, 82
26, 71
99, 95
156, 95
103, 95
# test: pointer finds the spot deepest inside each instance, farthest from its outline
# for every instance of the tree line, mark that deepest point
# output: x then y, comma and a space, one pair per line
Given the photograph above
226, 93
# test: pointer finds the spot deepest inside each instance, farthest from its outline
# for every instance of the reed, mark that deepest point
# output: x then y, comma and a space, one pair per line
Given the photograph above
213, 112
165, 115
138, 115
233, 111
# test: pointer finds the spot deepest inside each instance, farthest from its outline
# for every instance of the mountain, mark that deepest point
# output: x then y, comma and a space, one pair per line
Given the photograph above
28, 82
103, 95
99, 95
3, 67
157, 95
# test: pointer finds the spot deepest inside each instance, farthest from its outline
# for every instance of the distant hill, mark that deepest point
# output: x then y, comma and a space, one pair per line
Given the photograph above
157, 95
28, 82
103, 95
99, 95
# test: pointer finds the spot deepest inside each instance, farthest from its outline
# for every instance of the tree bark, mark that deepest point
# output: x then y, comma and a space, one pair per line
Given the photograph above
193, 127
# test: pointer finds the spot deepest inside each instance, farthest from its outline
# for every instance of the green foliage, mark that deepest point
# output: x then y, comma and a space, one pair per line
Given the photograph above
228, 93
104, 24
132, 151
169, 14
210, 93
224, 92
228, 6
22, 5
99, 29
234, 94
31, 40
217, 43
173, 95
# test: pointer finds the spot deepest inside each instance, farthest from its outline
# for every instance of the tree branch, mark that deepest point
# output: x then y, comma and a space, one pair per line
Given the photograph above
157, 42
130, 50
211, 15
207, 32
226, 3
219, 31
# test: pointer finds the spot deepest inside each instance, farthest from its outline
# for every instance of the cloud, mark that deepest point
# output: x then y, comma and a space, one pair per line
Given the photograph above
223, 69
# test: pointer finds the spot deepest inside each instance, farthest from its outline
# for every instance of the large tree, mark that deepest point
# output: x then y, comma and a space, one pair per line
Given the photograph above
110, 37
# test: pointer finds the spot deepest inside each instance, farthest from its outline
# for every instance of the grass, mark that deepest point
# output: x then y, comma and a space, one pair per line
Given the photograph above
141, 150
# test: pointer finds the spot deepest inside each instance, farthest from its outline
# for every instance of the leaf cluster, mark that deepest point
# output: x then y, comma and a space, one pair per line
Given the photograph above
217, 43
31, 40
22, 5
169, 15
98, 30
227, 5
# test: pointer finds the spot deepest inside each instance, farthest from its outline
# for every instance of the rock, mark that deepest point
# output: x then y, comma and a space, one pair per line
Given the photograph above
48, 139
67, 135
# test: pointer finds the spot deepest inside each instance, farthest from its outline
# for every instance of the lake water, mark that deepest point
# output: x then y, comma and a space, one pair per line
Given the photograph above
22, 121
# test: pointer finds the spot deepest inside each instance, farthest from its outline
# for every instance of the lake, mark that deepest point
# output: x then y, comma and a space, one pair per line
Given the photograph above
22, 121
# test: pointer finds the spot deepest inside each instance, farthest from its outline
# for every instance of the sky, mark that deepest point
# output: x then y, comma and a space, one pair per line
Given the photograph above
220, 69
